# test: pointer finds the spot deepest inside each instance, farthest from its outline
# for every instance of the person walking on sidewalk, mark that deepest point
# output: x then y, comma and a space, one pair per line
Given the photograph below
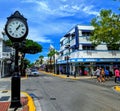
107, 74
102, 75
117, 74
97, 73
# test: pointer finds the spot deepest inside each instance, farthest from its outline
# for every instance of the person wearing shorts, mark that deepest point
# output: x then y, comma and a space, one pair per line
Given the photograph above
97, 73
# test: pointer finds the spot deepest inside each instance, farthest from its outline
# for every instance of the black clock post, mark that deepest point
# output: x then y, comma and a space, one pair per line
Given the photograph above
16, 29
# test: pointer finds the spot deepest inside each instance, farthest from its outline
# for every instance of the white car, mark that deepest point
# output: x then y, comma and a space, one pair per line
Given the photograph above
34, 72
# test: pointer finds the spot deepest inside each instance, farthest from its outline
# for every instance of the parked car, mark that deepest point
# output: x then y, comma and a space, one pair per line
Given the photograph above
34, 72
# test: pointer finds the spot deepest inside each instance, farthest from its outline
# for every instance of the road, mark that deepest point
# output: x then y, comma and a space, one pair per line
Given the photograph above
57, 94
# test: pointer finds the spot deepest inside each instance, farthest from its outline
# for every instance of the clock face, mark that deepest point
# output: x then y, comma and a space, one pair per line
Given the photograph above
16, 28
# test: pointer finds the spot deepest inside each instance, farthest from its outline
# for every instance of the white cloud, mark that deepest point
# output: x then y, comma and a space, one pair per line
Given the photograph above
89, 10
28, 1
44, 12
43, 6
63, 0
40, 33
76, 7
62, 7
36, 35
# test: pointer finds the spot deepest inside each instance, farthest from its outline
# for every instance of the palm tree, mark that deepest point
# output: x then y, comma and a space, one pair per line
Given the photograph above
41, 59
51, 55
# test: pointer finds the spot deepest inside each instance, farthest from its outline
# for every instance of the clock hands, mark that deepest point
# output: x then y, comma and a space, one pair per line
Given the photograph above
18, 27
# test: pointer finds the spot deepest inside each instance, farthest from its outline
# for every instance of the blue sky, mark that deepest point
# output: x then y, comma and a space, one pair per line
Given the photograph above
49, 20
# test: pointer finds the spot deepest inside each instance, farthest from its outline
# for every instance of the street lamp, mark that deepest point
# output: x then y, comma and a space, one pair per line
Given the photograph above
67, 59
16, 29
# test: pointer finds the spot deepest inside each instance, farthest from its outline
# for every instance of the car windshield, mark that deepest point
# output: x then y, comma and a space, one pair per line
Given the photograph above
34, 70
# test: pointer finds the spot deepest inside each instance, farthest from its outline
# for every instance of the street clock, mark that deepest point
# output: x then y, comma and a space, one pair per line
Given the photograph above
16, 27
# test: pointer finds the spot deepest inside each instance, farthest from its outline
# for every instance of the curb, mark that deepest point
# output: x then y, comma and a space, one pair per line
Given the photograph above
117, 88
65, 76
30, 102
59, 75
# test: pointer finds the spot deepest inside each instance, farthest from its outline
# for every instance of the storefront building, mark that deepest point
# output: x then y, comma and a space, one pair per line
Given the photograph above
78, 54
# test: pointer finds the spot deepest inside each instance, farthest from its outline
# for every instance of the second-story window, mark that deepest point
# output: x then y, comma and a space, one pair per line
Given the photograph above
73, 36
88, 47
86, 33
61, 53
113, 47
61, 43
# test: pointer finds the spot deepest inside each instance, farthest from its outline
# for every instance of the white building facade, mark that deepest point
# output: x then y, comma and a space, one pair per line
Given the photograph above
78, 53
5, 58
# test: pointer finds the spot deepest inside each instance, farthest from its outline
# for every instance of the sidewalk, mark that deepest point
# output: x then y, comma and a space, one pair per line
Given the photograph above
5, 99
9, 78
26, 102
109, 83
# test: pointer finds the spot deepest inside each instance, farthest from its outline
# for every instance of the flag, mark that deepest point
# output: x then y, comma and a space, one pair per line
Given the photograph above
51, 47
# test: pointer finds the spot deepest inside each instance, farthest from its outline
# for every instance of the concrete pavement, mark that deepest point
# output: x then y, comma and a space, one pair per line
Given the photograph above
28, 104
5, 100
109, 83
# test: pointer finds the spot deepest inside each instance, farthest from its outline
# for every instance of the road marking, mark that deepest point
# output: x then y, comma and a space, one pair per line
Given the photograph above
37, 104
50, 78
3, 87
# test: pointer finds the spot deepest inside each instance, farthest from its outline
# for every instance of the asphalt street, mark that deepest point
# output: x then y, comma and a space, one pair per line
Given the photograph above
56, 94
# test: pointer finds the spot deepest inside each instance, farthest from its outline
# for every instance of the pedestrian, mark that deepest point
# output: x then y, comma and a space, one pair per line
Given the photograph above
97, 73
92, 72
107, 74
80, 72
102, 75
117, 74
